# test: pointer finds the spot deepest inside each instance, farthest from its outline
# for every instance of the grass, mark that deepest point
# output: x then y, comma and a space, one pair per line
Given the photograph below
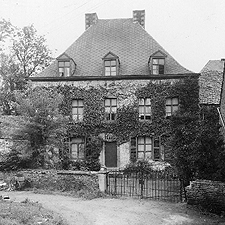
27, 213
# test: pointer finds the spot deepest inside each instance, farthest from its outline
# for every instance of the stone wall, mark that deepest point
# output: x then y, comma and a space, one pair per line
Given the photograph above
208, 194
77, 182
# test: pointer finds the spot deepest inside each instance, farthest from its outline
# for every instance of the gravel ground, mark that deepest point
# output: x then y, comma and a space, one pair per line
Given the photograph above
109, 211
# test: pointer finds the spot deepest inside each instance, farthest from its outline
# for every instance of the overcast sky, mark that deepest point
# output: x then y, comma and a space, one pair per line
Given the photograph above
192, 31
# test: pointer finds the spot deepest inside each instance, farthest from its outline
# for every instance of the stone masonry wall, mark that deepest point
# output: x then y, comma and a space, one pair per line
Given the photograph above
209, 194
78, 182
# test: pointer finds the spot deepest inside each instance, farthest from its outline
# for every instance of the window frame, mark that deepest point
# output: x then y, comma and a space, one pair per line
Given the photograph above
110, 57
110, 107
158, 55
134, 148
145, 106
80, 117
158, 65
78, 144
172, 106
64, 61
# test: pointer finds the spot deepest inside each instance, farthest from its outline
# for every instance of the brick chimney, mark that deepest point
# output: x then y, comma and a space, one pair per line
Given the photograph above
139, 17
90, 19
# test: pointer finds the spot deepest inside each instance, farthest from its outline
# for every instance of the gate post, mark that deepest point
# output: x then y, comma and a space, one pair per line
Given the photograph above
102, 180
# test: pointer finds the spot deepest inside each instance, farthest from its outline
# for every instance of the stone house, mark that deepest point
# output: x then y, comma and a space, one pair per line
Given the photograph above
120, 87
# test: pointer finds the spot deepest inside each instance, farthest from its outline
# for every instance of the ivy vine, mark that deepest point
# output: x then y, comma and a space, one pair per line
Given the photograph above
127, 123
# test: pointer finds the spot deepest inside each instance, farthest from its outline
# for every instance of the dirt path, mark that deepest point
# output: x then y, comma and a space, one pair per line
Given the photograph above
113, 211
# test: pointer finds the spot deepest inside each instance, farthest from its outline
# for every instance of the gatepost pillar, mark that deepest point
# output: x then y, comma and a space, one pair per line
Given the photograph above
102, 179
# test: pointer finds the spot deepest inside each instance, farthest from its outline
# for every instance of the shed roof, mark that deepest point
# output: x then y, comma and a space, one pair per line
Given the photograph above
210, 82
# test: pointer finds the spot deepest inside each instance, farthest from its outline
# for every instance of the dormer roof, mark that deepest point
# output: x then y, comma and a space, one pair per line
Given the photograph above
121, 37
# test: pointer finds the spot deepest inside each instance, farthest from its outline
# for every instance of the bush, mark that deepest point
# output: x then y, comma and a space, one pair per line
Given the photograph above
14, 160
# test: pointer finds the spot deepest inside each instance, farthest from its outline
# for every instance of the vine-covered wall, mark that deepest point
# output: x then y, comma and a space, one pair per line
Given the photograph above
127, 123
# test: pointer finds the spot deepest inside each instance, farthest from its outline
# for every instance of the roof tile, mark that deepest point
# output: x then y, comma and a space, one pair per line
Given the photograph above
128, 40
210, 82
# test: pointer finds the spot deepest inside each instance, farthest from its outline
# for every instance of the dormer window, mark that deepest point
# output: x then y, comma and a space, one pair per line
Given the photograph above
65, 65
157, 63
158, 66
111, 64
64, 68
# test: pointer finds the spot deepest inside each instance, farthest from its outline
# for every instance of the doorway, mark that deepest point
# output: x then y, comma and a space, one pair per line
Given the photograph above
111, 154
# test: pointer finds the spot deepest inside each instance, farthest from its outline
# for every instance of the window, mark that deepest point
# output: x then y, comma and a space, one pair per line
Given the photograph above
110, 108
110, 67
77, 109
171, 106
111, 64
145, 111
158, 66
156, 63
144, 148
77, 148
64, 68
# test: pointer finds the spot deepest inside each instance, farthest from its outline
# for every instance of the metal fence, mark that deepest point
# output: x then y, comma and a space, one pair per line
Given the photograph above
156, 185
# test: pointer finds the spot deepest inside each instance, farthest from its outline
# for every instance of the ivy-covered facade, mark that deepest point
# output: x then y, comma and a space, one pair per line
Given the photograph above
125, 120
120, 90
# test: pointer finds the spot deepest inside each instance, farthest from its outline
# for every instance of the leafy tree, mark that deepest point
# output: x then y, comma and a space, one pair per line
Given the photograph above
31, 51
210, 157
197, 145
27, 55
6, 32
40, 123
185, 144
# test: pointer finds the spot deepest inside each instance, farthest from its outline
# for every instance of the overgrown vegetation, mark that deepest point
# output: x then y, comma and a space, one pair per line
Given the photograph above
40, 125
198, 146
27, 212
23, 53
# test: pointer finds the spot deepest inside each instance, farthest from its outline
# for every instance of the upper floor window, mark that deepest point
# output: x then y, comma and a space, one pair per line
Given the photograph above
77, 109
145, 111
64, 68
158, 66
65, 65
110, 108
111, 64
77, 149
172, 105
157, 63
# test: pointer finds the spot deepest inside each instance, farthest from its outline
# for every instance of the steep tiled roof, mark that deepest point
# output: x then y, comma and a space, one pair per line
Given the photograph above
210, 82
128, 40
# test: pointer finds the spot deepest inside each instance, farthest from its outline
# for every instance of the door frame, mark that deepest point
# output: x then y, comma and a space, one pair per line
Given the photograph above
103, 154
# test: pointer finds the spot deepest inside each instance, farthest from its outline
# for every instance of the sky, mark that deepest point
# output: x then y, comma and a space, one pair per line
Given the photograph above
192, 31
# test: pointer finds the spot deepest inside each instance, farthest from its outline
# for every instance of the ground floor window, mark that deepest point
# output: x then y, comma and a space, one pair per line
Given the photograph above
145, 148
77, 148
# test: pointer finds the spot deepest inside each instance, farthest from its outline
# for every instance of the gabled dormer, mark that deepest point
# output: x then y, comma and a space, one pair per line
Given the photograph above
157, 63
66, 66
111, 64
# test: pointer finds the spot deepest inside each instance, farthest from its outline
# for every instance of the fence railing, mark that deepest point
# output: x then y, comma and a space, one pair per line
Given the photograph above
155, 185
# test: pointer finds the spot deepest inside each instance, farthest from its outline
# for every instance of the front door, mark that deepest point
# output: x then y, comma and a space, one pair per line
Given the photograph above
110, 154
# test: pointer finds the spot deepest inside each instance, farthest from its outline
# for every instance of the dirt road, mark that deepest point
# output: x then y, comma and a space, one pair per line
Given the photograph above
114, 211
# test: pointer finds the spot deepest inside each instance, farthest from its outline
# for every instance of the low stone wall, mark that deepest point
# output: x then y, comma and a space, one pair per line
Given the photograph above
78, 182
209, 194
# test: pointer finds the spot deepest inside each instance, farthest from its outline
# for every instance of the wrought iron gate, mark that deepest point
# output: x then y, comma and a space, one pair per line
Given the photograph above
158, 185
